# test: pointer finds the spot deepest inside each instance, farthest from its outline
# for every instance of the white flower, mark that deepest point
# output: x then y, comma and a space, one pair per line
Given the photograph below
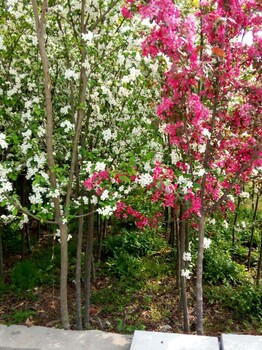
202, 148
57, 235
123, 92
107, 134
85, 200
175, 157
41, 131
225, 224
88, 167
244, 195
206, 133
27, 134
64, 110
69, 74
88, 36
231, 198
100, 166
199, 172
86, 65
104, 195
207, 242
147, 166
2, 47
187, 256
106, 211
6, 186
185, 273
134, 73
144, 179
3, 143
243, 224
212, 221
94, 199
67, 126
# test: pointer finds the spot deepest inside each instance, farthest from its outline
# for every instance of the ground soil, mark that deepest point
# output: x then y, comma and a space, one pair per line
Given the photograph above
161, 313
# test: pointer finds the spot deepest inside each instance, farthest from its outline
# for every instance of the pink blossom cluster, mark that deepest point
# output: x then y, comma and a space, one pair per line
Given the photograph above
125, 211
211, 104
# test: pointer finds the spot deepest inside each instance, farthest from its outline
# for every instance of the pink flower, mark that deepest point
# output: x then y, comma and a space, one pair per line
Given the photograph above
126, 13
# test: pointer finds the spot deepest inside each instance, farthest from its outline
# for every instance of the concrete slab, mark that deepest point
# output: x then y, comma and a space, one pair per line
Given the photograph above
8, 348
241, 342
143, 340
42, 338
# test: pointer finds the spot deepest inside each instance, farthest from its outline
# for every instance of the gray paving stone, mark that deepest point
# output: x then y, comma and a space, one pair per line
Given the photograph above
143, 340
241, 342
42, 338
8, 348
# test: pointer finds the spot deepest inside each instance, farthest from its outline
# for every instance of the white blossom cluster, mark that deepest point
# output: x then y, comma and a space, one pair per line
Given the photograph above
3, 143
186, 273
144, 179
185, 183
5, 184
107, 210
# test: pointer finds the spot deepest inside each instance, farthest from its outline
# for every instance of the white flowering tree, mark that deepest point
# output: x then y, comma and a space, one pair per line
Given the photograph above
75, 92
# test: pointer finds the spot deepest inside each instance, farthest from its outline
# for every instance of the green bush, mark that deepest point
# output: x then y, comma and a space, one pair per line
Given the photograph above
24, 275
245, 299
22, 316
220, 268
134, 243
124, 265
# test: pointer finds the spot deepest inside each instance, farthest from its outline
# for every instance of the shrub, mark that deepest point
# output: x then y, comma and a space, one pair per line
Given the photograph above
124, 265
220, 268
24, 275
245, 299
134, 243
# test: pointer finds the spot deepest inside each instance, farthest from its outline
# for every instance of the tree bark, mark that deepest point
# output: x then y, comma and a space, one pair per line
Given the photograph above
235, 221
1, 257
79, 325
259, 264
88, 265
182, 231
39, 22
199, 286
252, 233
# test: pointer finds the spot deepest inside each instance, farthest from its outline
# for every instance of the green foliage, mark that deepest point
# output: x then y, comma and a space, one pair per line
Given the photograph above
126, 253
244, 299
220, 268
21, 316
24, 275
122, 327
3, 287
42, 268
11, 240
124, 265
134, 243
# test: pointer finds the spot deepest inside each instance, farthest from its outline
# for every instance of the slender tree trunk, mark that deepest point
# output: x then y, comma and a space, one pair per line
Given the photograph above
1, 257
88, 265
235, 221
259, 264
40, 25
79, 325
252, 232
172, 227
182, 231
177, 246
63, 276
199, 282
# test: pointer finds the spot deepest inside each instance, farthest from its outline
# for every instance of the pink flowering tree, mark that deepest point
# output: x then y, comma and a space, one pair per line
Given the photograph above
210, 107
